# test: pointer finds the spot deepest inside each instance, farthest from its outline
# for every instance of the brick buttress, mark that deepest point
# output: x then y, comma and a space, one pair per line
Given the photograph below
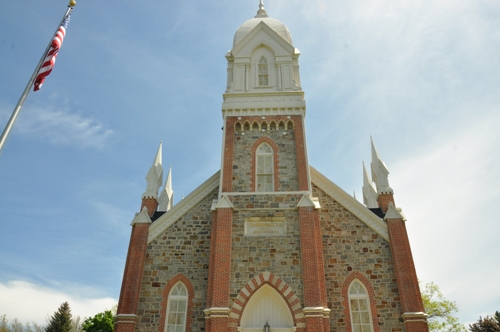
409, 291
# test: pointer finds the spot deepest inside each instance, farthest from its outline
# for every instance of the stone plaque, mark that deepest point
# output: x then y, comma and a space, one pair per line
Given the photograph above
267, 226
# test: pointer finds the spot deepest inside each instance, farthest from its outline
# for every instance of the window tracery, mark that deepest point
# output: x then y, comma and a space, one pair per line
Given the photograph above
265, 168
177, 309
263, 72
359, 307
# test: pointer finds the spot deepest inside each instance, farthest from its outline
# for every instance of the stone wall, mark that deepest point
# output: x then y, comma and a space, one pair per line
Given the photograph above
252, 255
244, 141
181, 249
352, 249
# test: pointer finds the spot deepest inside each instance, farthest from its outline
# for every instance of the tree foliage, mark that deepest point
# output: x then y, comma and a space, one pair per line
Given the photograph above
60, 320
487, 324
101, 322
440, 311
76, 324
17, 326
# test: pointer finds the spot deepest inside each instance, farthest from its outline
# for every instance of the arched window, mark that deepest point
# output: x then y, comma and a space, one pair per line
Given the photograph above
359, 307
265, 168
177, 309
263, 72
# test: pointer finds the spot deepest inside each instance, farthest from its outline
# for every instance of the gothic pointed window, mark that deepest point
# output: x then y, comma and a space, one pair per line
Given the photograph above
265, 168
177, 309
359, 306
263, 72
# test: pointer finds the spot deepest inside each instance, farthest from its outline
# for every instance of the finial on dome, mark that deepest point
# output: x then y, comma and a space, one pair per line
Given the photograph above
262, 11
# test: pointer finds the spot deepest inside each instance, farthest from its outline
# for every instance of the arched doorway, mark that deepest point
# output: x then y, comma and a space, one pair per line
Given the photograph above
266, 306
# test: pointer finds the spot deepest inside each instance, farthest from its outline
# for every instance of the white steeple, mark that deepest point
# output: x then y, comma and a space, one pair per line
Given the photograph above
380, 173
370, 195
154, 177
166, 200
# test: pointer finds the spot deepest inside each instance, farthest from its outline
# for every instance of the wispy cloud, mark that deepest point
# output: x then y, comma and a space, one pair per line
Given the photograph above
63, 127
449, 190
29, 302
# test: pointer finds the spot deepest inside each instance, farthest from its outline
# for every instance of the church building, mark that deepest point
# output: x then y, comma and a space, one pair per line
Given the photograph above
268, 243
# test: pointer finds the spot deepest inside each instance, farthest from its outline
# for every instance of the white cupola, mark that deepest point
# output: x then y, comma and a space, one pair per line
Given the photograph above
263, 68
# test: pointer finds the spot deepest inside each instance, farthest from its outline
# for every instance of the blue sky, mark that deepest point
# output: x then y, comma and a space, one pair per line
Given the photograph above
421, 77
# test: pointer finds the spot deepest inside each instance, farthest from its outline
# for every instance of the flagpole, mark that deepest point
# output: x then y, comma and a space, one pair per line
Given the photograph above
27, 90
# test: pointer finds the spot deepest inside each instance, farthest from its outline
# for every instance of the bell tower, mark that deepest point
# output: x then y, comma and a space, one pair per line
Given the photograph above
265, 177
264, 103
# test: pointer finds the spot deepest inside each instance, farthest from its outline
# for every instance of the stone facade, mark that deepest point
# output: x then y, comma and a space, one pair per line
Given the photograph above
247, 140
352, 248
182, 249
254, 255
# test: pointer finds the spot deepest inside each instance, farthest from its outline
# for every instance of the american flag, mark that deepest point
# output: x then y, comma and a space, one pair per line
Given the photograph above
50, 58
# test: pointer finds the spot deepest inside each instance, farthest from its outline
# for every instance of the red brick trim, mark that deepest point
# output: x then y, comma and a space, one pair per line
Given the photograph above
227, 154
219, 270
313, 269
384, 200
274, 146
253, 286
300, 146
151, 203
371, 294
164, 303
406, 275
134, 267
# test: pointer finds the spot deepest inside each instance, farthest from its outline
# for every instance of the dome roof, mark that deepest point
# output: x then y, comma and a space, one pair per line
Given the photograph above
273, 23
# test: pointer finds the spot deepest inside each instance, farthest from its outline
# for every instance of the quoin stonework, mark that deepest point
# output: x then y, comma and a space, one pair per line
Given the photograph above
268, 243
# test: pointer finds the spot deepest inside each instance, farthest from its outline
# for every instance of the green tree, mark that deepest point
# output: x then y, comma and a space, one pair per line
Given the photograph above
488, 324
440, 311
33, 327
60, 320
17, 326
4, 323
76, 324
102, 322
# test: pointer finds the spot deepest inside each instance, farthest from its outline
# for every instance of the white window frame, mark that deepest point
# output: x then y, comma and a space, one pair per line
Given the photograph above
172, 298
360, 297
259, 176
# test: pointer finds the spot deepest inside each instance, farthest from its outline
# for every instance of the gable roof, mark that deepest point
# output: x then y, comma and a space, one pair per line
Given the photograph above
179, 209
268, 36
318, 179
350, 203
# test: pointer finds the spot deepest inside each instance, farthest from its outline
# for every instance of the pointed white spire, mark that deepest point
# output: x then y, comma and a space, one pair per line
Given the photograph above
261, 12
166, 200
154, 177
380, 173
370, 196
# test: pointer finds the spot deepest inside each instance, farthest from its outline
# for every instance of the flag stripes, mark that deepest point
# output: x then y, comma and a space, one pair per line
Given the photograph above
50, 58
